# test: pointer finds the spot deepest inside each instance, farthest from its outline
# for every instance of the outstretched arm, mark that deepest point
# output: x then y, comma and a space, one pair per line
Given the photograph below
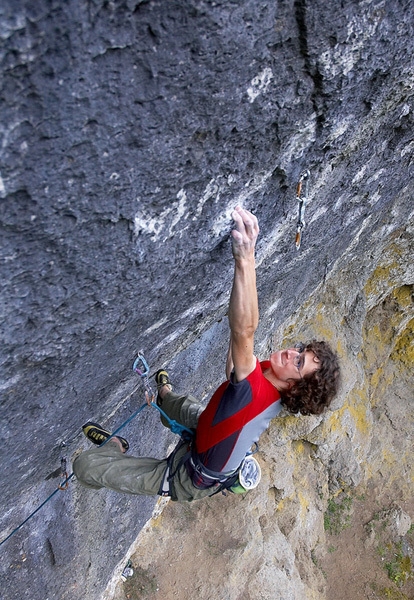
229, 361
243, 309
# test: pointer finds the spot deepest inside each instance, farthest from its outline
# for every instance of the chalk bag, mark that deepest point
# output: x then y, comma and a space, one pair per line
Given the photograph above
249, 476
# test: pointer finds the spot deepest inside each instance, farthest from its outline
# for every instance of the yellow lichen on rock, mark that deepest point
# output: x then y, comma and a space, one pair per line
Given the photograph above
404, 347
389, 272
360, 412
382, 278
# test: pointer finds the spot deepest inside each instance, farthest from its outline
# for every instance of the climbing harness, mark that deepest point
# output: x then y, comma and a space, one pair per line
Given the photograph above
167, 486
246, 477
302, 190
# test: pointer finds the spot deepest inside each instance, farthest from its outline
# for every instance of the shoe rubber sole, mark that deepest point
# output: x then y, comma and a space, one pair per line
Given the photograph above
98, 435
162, 378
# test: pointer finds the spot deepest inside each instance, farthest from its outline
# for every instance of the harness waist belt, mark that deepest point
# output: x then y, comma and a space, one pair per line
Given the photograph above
203, 477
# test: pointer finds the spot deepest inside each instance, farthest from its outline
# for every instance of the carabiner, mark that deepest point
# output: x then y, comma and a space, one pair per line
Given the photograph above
64, 473
302, 197
140, 365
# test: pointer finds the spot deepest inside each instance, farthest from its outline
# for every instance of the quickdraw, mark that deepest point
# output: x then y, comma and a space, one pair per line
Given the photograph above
302, 198
141, 367
63, 471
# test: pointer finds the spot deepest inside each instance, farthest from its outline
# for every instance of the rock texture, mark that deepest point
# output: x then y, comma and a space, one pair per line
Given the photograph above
129, 131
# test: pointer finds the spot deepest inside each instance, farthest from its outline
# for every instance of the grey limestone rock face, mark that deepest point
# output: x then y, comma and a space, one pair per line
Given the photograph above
129, 131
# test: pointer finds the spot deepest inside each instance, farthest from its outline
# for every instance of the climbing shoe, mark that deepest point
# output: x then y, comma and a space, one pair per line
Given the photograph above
161, 378
98, 435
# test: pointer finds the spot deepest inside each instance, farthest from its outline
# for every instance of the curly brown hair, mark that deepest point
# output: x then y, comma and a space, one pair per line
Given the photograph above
314, 392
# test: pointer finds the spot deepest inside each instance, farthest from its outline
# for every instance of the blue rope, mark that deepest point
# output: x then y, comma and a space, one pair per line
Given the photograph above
140, 409
34, 512
141, 367
174, 426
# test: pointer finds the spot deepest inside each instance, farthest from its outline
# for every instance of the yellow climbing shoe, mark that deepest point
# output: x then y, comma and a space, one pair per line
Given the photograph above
98, 435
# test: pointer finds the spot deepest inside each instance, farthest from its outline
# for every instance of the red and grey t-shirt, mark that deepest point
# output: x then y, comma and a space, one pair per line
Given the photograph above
234, 419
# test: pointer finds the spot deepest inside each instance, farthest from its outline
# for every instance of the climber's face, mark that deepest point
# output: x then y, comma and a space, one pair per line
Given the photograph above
292, 364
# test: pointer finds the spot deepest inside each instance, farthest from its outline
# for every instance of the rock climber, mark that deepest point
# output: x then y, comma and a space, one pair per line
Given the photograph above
304, 379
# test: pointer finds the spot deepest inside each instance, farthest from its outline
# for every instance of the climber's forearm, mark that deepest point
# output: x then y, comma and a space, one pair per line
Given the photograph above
244, 308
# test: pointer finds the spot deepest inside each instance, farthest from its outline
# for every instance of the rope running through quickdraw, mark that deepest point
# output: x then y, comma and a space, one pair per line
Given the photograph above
302, 190
141, 367
175, 428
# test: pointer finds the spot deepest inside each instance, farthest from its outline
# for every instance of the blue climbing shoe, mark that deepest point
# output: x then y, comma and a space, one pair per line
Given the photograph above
98, 435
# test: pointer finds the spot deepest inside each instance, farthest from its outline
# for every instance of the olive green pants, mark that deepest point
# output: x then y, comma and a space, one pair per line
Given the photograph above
107, 466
